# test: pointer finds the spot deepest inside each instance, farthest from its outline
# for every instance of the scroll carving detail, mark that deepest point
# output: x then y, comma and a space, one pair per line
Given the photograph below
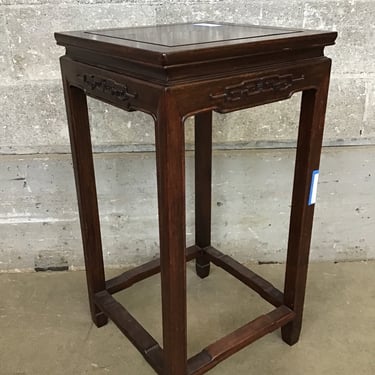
107, 86
256, 86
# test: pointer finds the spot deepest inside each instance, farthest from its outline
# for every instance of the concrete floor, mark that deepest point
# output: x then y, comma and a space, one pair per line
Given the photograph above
45, 326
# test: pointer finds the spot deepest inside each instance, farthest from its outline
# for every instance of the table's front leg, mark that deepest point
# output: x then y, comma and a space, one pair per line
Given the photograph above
80, 140
309, 144
170, 159
203, 168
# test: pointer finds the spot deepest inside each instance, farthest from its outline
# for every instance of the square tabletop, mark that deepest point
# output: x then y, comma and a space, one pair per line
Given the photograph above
180, 43
189, 34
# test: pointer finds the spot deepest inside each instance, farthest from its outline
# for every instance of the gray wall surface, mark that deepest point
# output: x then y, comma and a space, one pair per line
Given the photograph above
253, 163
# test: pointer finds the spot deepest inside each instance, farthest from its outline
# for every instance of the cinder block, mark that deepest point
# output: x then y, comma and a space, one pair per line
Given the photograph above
51, 260
369, 112
34, 51
345, 210
33, 117
353, 52
113, 127
346, 104
30, 2
83, 2
28, 220
282, 13
275, 125
34, 121
264, 126
6, 67
250, 212
353, 20
27, 245
140, 2
245, 12
320, 14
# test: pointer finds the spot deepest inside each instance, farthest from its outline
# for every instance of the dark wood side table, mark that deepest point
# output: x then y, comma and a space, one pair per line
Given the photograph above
172, 72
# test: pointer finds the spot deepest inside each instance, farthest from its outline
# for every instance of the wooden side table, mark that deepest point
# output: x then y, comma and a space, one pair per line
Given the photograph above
173, 72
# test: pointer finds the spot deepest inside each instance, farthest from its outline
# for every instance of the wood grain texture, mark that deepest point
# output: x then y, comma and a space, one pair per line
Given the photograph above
238, 339
129, 278
130, 327
170, 165
203, 172
179, 62
80, 141
264, 288
172, 74
310, 136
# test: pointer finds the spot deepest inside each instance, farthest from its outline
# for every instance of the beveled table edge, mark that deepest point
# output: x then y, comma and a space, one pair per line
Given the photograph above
159, 55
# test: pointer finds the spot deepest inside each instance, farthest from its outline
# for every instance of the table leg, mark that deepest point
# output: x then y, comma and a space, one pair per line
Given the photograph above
307, 160
80, 140
203, 166
170, 159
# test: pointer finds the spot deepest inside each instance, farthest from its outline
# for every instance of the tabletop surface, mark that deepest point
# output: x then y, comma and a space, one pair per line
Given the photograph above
190, 34
179, 43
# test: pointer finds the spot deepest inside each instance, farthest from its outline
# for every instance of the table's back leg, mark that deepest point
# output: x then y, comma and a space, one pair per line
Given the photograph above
170, 159
203, 166
307, 160
80, 139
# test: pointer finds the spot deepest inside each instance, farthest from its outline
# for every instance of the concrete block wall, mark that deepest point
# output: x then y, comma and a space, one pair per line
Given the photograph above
253, 161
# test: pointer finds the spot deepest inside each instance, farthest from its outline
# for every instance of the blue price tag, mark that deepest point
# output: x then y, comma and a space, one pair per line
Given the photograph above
313, 187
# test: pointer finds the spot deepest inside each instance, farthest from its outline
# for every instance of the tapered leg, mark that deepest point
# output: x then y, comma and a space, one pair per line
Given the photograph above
79, 130
170, 158
307, 160
203, 161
